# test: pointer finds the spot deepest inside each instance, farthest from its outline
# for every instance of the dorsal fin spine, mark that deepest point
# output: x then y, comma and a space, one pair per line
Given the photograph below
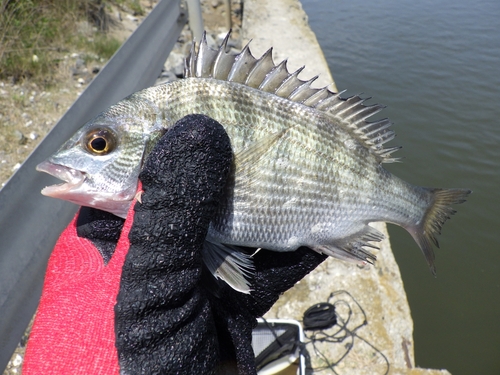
364, 113
223, 61
274, 79
265, 75
303, 91
318, 96
205, 59
350, 103
367, 110
289, 84
243, 64
379, 129
189, 62
259, 71
328, 102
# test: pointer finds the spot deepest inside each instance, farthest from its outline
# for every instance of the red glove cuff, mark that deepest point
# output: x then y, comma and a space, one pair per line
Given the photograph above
73, 332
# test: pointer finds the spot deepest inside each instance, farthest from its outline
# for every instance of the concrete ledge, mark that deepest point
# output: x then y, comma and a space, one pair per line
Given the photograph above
385, 343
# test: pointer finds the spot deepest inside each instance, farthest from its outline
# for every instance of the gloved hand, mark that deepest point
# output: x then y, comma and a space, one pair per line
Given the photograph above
147, 305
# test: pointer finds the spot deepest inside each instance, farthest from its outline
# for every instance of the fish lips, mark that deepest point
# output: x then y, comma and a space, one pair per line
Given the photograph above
74, 189
72, 178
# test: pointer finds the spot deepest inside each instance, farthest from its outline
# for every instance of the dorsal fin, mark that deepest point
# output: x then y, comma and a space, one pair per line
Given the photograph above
265, 75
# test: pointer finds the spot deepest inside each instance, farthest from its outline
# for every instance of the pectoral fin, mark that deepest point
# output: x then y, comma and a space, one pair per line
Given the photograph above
251, 154
246, 162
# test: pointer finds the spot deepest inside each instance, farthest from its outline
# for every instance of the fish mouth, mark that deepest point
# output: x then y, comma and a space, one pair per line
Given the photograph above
72, 178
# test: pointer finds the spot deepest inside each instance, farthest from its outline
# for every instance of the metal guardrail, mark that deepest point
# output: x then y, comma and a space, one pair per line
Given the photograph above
31, 223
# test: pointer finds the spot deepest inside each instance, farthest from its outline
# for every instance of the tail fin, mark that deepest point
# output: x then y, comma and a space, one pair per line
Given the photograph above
439, 211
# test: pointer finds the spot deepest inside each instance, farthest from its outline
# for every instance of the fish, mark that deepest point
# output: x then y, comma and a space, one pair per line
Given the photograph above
307, 169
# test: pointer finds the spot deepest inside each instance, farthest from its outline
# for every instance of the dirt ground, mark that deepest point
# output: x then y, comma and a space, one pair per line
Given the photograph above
28, 111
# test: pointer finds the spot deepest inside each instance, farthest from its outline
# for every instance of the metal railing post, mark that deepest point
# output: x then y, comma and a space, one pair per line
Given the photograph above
195, 19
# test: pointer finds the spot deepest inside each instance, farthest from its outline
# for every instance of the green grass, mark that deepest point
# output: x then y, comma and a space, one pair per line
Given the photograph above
133, 5
98, 48
34, 34
104, 46
136, 7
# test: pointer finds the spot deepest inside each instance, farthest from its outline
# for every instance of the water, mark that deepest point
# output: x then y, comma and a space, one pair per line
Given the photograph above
436, 65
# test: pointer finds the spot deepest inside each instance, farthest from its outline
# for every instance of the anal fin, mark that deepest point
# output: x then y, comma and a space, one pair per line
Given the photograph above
353, 248
227, 263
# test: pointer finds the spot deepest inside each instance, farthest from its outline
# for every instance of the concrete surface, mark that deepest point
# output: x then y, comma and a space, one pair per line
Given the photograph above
381, 342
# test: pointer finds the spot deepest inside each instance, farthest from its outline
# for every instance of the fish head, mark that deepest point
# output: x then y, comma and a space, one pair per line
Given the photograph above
101, 162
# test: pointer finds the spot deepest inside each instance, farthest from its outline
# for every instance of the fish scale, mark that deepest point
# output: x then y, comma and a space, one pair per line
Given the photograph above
307, 163
261, 195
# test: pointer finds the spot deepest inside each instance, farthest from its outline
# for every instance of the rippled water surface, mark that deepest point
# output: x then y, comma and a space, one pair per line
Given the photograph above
436, 65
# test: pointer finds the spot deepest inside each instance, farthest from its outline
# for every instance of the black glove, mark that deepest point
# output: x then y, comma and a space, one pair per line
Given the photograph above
171, 316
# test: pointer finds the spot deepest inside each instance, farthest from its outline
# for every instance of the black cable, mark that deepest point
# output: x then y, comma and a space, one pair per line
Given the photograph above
321, 315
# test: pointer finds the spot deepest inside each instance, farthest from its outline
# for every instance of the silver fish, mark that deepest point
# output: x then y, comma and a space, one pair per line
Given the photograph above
307, 171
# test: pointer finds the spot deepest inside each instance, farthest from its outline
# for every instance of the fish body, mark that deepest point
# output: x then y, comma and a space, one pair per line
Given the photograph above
307, 163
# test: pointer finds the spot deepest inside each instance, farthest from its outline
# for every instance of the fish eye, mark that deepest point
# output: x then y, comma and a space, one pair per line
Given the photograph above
99, 141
